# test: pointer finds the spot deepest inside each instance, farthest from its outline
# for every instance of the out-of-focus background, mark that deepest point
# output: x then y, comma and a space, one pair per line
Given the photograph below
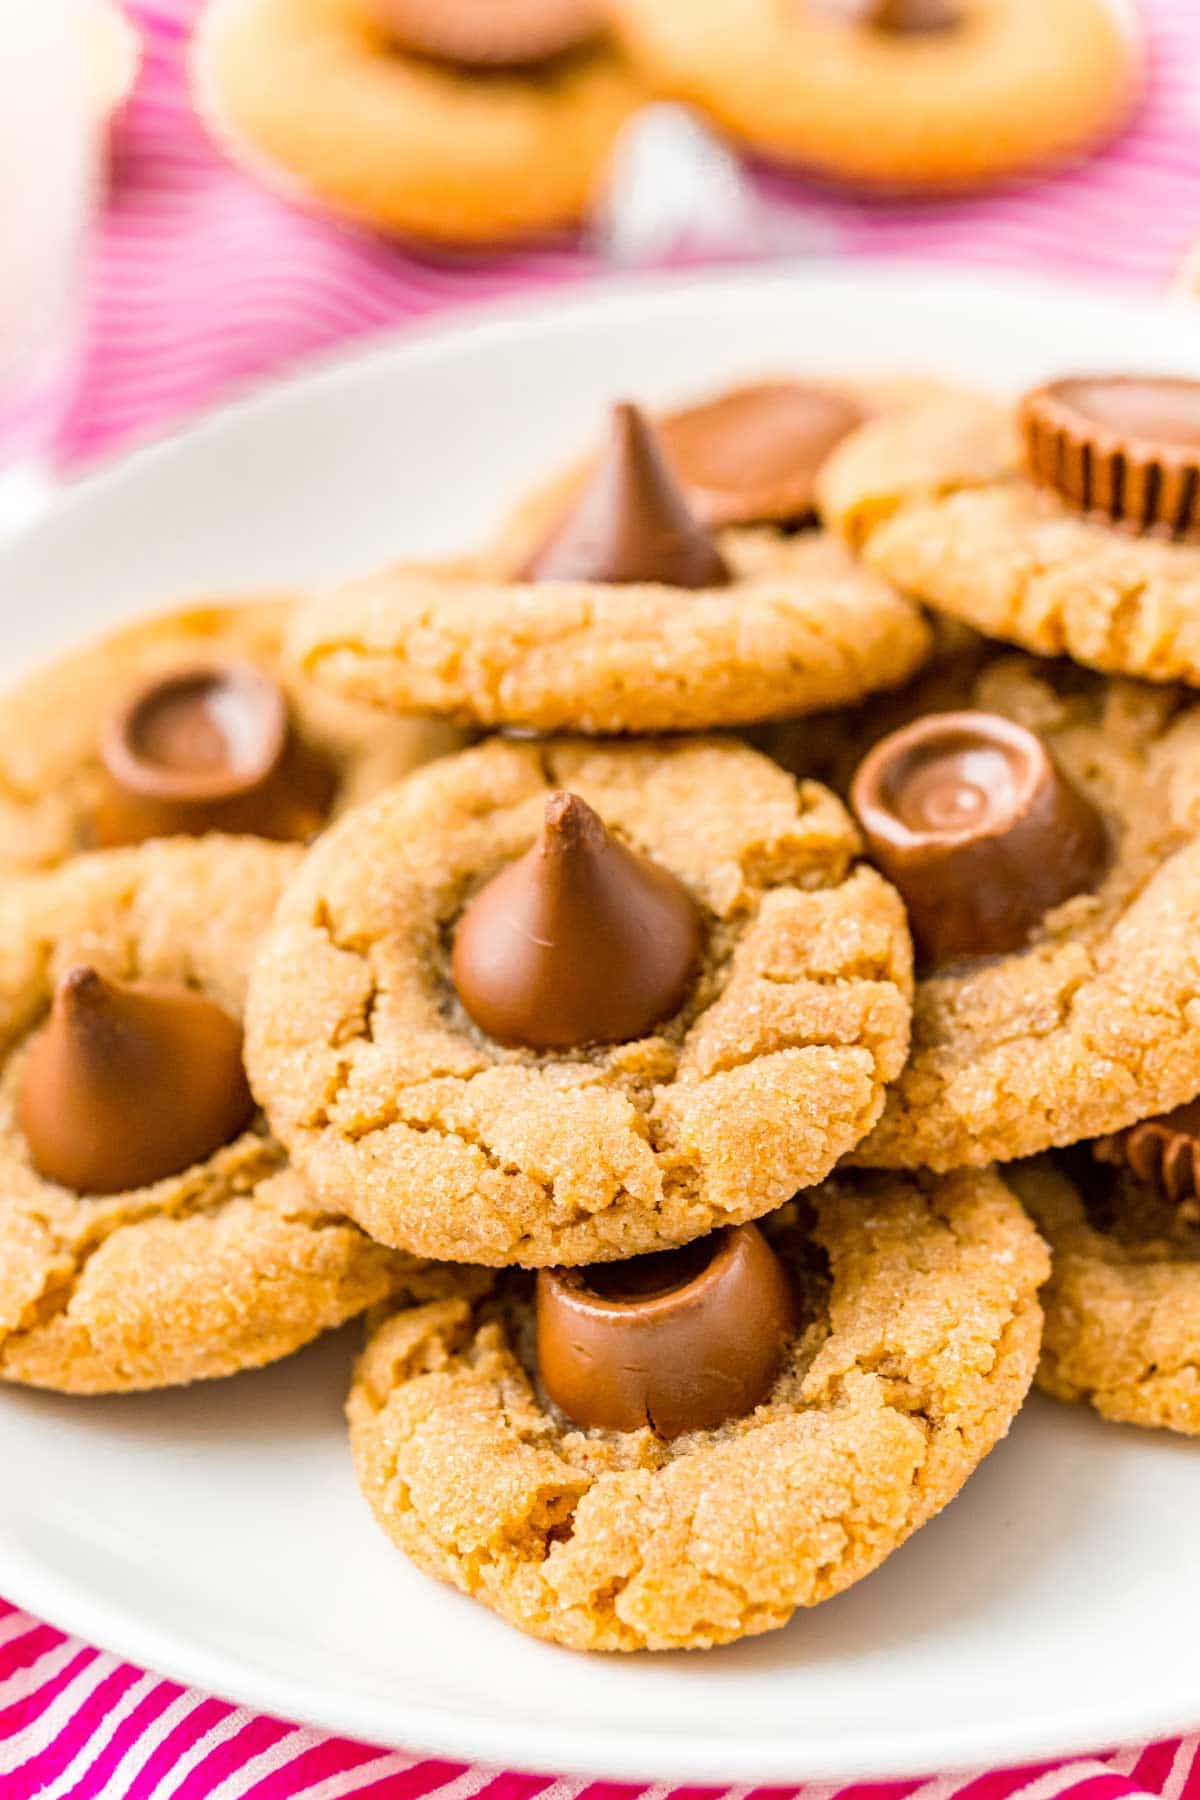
149, 272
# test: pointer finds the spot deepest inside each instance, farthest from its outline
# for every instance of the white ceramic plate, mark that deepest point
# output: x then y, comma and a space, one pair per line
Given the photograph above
217, 1535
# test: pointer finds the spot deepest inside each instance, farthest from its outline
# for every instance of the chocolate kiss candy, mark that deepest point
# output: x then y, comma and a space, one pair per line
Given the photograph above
1120, 447
751, 456
630, 523
126, 1084
581, 941
207, 748
492, 33
680, 1340
968, 816
1162, 1153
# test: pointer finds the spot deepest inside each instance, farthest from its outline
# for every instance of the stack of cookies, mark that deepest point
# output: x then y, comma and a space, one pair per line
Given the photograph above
728, 1083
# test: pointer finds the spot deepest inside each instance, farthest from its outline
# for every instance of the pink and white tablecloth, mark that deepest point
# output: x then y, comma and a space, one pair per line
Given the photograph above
201, 283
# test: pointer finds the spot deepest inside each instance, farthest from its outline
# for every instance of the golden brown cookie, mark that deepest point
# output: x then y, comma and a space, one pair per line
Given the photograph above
400, 1110
53, 722
943, 502
612, 600
1093, 1021
1123, 1301
899, 93
319, 98
223, 1266
917, 1338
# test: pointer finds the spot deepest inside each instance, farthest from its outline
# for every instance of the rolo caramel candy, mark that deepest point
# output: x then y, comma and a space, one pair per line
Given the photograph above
680, 1340
751, 456
630, 522
971, 820
126, 1084
207, 748
1164, 1153
485, 34
1125, 448
580, 941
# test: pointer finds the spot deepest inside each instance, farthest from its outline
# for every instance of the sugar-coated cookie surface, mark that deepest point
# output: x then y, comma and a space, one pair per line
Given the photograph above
225, 1266
314, 97
1123, 1301
800, 627
1005, 86
51, 721
939, 502
920, 1338
1096, 1023
400, 1111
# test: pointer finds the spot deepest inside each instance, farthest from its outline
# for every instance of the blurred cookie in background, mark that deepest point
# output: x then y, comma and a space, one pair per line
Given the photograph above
461, 122
941, 94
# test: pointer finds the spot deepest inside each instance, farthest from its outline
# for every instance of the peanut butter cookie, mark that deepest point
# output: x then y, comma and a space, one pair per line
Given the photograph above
1070, 528
491, 1029
1123, 1300
95, 746
456, 122
896, 93
621, 604
1083, 1015
912, 1345
151, 1231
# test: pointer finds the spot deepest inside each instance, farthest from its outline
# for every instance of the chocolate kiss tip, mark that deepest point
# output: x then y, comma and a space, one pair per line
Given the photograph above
970, 818
680, 1340
127, 1084
580, 941
631, 522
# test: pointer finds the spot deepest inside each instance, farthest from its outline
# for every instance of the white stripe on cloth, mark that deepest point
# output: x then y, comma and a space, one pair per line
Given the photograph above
270, 1761
217, 1734
1058, 1781
393, 1762
16, 1625
41, 1733
90, 1752
1181, 1768
26, 1682
121, 1781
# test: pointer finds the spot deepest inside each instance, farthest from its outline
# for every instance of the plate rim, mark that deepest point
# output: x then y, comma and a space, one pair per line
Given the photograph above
429, 1729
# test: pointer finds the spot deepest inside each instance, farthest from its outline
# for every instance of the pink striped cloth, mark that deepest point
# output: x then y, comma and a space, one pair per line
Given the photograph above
76, 1724
201, 282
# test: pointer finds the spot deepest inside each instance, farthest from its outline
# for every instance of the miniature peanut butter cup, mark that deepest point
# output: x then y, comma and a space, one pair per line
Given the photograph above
967, 814
751, 456
1125, 448
581, 941
1164, 1153
484, 34
631, 521
207, 748
680, 1340
126, 1084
